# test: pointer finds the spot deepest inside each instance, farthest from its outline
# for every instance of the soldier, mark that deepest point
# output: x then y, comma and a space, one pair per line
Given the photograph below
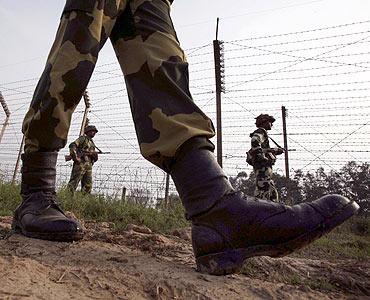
84, 156
263, 157
173, 133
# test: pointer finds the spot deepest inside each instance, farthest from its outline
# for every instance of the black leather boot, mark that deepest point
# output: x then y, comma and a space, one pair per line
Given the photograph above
228, 228
39, 216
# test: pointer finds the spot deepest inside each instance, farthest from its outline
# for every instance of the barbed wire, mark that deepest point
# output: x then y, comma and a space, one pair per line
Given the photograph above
327, 100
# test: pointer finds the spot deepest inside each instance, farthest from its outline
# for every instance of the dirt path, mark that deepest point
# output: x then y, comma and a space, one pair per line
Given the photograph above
139, 264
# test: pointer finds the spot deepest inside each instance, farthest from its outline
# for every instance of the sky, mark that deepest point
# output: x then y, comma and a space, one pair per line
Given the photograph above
27, 29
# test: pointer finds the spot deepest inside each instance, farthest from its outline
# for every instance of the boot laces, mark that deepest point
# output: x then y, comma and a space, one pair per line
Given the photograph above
49, 199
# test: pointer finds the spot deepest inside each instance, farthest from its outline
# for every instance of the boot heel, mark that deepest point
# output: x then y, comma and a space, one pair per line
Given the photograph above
221, 263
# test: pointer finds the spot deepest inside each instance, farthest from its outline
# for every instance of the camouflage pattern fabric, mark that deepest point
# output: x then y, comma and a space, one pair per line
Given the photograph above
265, 186
81, 172
82, 144
259, 140
154, 66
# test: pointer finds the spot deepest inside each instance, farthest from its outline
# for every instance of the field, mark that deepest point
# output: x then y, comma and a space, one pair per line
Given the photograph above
134, 252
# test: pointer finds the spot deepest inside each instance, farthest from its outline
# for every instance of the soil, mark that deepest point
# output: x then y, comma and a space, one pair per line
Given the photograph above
140, 264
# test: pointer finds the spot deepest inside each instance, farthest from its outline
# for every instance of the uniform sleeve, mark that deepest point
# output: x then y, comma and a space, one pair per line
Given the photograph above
92, 146
258, 137
75, 145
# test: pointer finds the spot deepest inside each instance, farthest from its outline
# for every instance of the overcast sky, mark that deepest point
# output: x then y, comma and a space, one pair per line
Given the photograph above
27, 28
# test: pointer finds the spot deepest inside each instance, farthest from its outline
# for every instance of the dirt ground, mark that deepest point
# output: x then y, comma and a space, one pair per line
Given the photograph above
139, 264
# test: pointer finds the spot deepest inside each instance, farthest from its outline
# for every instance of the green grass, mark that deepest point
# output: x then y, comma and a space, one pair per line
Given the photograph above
348, 241
103, 208
9, 198
109, 209
351, 240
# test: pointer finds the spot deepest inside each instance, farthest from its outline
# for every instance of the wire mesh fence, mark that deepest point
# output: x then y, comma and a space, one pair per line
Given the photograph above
320, 75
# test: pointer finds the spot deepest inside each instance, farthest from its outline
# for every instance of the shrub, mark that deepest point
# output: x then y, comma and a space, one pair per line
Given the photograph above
9, 198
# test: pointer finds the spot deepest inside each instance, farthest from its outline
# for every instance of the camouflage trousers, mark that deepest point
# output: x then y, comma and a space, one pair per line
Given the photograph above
81, 172
265, 186
153, 64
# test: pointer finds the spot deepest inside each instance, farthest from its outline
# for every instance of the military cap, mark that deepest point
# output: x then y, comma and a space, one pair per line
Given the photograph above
262, 118
90, 128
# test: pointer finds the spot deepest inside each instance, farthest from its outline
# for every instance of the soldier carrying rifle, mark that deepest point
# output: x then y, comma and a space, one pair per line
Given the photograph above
262, 158
84, 155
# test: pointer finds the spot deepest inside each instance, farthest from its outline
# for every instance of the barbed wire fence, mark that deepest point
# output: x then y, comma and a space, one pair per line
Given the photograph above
321, 76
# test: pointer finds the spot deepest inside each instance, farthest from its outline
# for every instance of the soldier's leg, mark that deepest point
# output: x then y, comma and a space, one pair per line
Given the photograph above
84, 27
173, 133
274, 195
76, 176
86, 181
272, 191
262, 189
266, 185
156, 74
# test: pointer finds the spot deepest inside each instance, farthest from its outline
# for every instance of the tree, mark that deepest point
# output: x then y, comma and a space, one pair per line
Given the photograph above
244, 183
286, 187
357, 184
289, 190
351, 181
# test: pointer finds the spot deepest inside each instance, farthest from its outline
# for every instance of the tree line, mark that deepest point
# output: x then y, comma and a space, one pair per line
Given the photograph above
352, 181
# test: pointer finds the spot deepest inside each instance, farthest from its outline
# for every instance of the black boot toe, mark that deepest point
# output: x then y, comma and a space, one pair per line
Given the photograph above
236, 229
40, 217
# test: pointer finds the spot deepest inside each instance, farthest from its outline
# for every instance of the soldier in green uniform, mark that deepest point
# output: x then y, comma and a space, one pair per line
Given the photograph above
263, 158
84, 155
173, 133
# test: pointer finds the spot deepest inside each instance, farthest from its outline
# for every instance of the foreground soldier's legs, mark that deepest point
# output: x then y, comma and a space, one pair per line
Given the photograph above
227, 227
84, 27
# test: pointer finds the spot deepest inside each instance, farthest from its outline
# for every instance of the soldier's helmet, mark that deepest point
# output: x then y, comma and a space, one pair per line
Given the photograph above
262, 118
90, 128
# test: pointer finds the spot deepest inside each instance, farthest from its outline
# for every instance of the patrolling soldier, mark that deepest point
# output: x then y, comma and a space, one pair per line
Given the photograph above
173, 133
262, 157
84, 155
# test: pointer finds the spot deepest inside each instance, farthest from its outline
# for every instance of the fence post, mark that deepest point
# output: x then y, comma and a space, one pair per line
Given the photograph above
18, 159
219, 76
7, 113
284, 113
87, 106
166, 204
123, 196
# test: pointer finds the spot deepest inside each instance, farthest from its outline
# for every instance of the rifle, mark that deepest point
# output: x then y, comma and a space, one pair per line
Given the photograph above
81, 153
269, 152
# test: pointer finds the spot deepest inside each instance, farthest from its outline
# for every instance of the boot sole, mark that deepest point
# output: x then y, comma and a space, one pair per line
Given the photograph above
231, 261
57, 236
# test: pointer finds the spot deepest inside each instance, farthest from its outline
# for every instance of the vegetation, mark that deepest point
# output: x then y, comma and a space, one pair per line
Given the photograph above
122, 213
352, 181
9, 198
105, 208
350, 240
